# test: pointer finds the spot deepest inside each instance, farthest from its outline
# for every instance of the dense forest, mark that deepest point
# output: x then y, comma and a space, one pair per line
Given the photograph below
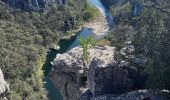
148, 31
25, 38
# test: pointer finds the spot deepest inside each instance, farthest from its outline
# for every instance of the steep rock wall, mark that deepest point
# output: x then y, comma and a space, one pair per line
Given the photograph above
69, 73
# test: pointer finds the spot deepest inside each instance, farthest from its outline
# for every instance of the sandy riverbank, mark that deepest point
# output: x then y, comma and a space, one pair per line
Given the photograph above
100, 25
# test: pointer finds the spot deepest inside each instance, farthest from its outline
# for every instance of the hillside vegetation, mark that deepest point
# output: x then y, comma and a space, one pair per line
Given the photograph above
25, 38
150, 35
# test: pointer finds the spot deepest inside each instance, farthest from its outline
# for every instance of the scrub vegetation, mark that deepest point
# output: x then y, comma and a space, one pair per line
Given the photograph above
25, 38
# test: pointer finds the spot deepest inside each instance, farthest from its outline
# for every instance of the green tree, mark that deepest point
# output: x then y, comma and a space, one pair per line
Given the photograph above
86, 45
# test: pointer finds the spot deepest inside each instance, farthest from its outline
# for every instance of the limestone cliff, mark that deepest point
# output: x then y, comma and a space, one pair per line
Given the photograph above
70, 75
34, 5
102, 79
4, 87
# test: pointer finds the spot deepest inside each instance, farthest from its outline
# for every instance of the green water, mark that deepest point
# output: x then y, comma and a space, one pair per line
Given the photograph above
53, 92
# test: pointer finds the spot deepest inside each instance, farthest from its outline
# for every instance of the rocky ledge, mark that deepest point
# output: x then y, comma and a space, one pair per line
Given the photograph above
101, 77
70, 75
4, 87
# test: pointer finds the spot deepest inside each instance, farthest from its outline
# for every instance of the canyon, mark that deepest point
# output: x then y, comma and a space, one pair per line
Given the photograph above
103, 77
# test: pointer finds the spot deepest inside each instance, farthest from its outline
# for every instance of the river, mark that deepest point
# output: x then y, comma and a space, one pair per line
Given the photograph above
53, 93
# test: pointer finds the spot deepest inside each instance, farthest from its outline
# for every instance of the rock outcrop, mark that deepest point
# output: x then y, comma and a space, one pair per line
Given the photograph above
101, 79
4, 87
70, 75
111, 78
34, 5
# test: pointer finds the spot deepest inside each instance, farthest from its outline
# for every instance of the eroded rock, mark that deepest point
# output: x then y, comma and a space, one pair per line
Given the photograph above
101, 77
111, 78
69, 73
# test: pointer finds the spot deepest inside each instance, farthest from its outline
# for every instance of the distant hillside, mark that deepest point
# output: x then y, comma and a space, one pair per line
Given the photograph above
34, 5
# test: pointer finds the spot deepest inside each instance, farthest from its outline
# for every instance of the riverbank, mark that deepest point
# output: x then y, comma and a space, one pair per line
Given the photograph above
99, 25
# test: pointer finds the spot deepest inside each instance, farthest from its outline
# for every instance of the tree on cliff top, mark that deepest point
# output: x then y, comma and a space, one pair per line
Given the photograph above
86, 45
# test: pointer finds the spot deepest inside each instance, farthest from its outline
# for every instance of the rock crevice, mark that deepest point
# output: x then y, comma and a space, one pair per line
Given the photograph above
69, 68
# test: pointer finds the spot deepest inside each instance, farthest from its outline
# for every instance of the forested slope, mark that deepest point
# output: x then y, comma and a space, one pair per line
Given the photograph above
150, 35
25, 38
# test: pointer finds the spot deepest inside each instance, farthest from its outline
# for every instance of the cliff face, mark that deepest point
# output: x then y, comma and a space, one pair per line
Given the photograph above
102, 79
4, 87
34, 5
111, 78
70, 75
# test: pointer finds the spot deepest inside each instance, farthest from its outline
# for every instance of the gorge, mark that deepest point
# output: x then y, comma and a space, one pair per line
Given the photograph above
103, 78
66, 45
46, 53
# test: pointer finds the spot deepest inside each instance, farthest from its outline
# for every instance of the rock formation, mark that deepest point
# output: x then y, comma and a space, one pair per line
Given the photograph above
110, 78
102, 79
34, 5
70, 75
4, 87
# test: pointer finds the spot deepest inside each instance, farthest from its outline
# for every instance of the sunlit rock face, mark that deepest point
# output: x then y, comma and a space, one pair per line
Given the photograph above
102, 78
4, 87
69, 73
101, 75
34, 5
